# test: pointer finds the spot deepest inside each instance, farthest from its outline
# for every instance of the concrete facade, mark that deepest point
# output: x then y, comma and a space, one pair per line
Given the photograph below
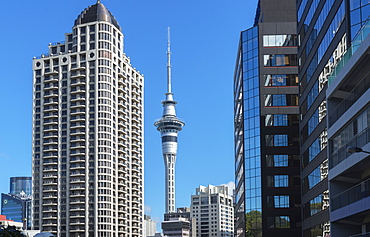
88, 133
212, 208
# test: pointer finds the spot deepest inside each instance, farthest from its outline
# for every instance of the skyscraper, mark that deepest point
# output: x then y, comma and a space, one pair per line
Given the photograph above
169, 126
266, 117
88, 133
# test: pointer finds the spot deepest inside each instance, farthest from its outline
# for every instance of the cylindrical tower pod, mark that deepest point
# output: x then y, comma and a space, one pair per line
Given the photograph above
169, 126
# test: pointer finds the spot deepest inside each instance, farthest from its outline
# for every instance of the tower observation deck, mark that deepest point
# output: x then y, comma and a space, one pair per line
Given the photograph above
169, 126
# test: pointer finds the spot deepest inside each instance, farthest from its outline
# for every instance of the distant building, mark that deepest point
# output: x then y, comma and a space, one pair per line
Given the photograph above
348, 126
149, 226
17, 208
19, 184
178, 224
16, 205
212, 209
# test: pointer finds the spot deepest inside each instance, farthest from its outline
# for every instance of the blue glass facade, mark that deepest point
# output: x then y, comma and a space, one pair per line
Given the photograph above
252, 155
19, 184
16, 208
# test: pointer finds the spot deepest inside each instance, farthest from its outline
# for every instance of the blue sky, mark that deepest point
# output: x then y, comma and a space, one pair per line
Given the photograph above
204, 37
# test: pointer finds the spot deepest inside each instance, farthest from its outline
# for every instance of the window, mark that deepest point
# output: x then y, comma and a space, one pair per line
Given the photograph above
281, 80
279, 60
278, 222
278, 201
281, 119
277, 140
281, 100
278, 181
279, 40
277, 160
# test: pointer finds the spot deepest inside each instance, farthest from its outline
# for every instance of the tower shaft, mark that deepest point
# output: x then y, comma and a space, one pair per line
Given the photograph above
169, 126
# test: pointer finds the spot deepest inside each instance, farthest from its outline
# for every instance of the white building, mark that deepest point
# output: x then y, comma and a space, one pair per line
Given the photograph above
88, 133
149, 226
212, 208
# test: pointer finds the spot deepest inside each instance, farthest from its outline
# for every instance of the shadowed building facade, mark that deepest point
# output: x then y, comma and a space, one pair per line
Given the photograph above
326, 29
266, 124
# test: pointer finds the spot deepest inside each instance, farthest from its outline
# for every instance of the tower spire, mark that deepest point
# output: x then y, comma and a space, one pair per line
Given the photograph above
168, 61
169, 126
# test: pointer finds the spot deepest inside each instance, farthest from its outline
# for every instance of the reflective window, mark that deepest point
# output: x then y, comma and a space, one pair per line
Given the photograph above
281, 80
331, 32
278, 181
279, 60
360, 12
277, 140
278, 201
354, 129
318, 174
322, 229
317, 204
282, 160
277, 160
281, 100
278, 222
281, 119
279, 40
301, 9
311, 12
313, 122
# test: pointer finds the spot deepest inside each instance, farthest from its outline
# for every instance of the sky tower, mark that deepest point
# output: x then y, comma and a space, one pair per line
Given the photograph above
169, 126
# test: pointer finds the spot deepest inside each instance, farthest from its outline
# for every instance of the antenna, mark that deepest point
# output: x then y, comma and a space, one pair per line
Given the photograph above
168, 61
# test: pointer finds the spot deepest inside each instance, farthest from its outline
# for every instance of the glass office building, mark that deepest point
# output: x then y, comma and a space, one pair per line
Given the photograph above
17, 208
266, 124
19, 184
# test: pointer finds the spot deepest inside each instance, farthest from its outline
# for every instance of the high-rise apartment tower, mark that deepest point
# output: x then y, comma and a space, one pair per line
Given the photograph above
88, 133
169, 126
266, 124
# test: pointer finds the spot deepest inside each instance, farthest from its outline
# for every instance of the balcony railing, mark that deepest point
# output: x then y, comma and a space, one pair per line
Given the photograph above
350, 99
358, 141
361, 235
351, 195
357, 41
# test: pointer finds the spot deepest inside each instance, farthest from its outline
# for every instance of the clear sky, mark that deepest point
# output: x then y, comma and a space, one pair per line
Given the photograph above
204, 41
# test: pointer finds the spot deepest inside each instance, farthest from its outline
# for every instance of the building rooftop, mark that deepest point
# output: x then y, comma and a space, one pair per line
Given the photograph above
96, 12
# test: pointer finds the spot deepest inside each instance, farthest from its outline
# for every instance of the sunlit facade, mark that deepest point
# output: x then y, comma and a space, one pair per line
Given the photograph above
88, 133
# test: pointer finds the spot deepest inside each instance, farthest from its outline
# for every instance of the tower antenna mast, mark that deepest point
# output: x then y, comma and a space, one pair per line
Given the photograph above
168, 60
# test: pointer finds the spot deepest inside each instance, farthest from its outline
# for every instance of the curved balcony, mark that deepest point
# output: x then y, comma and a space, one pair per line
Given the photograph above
77, 111
78, 99
78, 105
52, 87
51, 79
78, 91
51, 95
75, 68
51, 108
